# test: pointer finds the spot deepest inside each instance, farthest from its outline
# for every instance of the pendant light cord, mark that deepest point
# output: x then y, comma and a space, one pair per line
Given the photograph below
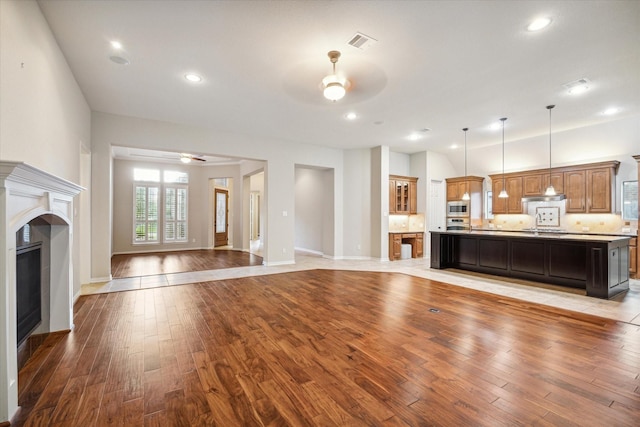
465, 150
550, 107
503, 180
466, 182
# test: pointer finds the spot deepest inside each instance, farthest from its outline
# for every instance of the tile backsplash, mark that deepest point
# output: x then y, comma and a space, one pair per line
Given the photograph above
413, 222
573, 223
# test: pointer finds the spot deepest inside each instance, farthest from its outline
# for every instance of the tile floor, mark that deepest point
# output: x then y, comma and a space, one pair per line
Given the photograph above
625, 308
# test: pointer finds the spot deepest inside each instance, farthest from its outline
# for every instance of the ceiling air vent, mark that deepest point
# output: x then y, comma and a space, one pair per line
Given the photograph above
361, 41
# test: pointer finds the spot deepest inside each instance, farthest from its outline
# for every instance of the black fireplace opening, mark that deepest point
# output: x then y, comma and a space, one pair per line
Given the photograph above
28, 289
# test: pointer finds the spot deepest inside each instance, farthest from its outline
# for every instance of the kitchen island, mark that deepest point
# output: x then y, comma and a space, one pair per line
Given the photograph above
599, 264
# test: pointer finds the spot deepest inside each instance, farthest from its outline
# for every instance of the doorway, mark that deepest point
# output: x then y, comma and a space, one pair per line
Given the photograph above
221, 218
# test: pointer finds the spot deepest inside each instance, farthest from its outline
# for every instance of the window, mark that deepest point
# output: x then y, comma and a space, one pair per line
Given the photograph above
630, 200
175, 177
150, 175
160, 209
175, 214
488, 205
146, 213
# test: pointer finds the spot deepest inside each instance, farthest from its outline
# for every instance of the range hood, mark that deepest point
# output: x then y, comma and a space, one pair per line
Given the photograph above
556, 198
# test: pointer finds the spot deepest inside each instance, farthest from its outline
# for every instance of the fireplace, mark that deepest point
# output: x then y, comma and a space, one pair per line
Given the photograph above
31, 196
28, 289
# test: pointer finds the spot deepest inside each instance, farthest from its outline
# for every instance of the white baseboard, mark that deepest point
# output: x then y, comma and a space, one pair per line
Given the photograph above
309, 251
148, 251
272, 264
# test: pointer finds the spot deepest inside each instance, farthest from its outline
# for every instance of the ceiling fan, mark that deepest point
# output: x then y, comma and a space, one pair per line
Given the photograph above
186, 158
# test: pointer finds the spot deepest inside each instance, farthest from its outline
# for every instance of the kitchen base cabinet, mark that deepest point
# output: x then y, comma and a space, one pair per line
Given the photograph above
598, 264
415, 239
633, 258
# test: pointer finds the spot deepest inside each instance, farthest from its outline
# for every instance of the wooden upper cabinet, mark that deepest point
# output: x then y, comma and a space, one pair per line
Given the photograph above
588, 188
514, 189
511, 204
575, 189
499, 205
403, 194
532, 185
599, 190
536, 184
557, 180
413, 196
455, 190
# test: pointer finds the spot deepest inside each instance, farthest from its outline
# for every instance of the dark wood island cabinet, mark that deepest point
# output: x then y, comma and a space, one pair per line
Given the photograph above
599, 264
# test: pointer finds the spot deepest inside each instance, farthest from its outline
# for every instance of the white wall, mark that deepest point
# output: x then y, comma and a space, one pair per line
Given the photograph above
399, 164
198, 208
280, 159
613, 140
356, 203
379, 188
309, 209
44, 118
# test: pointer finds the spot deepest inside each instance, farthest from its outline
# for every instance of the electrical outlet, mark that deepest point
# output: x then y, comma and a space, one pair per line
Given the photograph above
585, 228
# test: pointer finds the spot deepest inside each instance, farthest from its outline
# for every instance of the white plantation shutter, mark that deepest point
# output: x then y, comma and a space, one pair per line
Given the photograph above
175, 214
160, 210
146, 214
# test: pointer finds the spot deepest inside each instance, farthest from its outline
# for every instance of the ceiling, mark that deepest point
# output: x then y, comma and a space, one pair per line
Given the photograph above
437, 66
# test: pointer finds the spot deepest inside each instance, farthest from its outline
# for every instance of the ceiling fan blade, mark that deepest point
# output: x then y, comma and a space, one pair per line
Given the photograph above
198, 158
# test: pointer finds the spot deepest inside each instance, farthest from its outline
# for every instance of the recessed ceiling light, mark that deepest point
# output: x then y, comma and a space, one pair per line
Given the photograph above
119, 60
539, 23
610, 111
577, 87
414, 136
194, 78
116, 45
495, 126
351, 116
454, 146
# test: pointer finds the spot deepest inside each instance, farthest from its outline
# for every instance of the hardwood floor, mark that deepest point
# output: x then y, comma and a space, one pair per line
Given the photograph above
133, 265
326, 347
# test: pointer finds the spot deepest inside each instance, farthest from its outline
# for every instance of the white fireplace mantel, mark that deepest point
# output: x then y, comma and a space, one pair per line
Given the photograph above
27, 193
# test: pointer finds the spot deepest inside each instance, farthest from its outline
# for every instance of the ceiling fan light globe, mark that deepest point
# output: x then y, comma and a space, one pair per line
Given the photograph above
334, 91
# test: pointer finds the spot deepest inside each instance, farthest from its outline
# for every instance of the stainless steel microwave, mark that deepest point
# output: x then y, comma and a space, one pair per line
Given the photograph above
458, 208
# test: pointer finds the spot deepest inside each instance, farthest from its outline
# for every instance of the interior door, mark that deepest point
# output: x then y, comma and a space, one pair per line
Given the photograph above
221, 224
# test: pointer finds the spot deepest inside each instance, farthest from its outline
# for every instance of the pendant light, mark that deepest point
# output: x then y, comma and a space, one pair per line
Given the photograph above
465, 196
550, 190
503, 194
334, 87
